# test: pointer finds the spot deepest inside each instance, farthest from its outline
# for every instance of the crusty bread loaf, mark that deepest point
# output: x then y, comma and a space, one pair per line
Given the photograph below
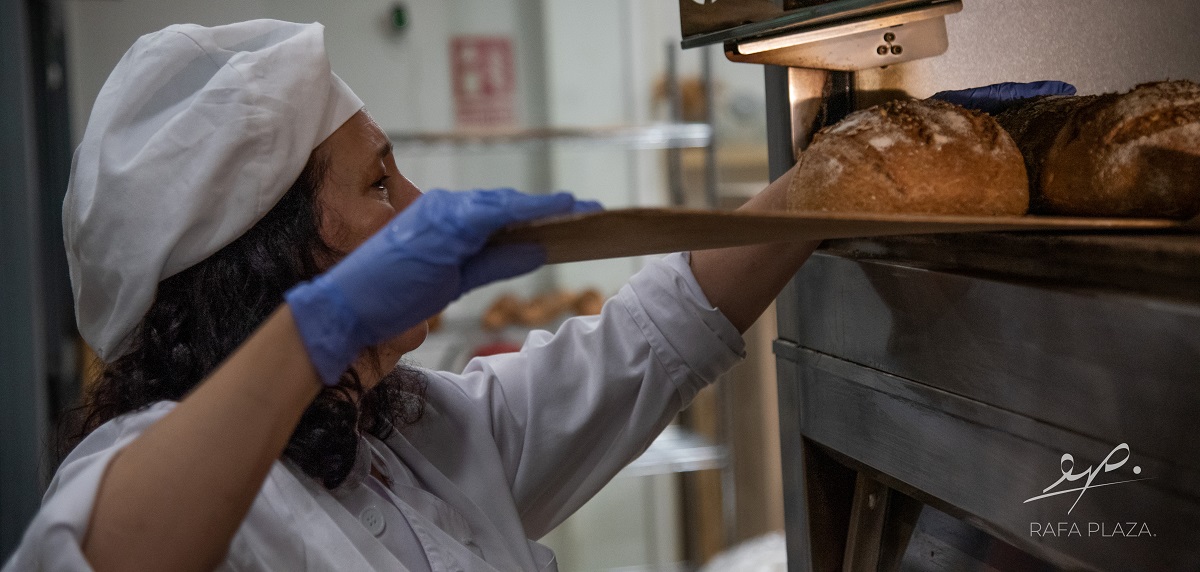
1035, 125
926, 157
1134, 154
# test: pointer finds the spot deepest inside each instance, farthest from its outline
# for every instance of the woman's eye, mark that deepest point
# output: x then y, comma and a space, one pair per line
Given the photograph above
381, 184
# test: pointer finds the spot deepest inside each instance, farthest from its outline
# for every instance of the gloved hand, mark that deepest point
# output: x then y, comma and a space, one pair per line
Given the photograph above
426, 257
996, 98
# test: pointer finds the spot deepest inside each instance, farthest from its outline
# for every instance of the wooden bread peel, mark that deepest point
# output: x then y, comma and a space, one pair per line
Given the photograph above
641, 231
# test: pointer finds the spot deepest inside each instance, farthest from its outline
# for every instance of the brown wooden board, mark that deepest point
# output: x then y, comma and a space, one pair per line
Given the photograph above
635, 232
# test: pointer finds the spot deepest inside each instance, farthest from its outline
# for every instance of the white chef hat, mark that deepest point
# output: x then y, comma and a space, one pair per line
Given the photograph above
197, 133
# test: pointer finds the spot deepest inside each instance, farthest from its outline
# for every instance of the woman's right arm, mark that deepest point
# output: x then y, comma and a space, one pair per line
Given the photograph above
174, 497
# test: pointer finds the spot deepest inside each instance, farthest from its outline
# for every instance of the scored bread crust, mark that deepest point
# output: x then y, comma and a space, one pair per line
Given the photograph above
1134, 154
1035, 125
912, 156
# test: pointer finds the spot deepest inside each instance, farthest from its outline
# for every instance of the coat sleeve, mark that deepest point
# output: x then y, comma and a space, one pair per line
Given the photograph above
273, 535
54, 540
571, 409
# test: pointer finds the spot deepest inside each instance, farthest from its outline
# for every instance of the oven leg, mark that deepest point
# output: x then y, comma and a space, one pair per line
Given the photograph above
867, 516
882, 520
817, 521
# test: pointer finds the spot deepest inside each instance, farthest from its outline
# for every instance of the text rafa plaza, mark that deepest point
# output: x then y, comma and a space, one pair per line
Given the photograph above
1102, 529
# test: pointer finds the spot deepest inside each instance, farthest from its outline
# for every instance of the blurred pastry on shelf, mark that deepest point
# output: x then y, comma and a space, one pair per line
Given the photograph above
501, 313
589, 303
435, 323
510, 310
545, 308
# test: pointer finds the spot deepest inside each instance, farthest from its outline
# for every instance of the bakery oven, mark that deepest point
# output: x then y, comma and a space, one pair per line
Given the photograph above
987, 401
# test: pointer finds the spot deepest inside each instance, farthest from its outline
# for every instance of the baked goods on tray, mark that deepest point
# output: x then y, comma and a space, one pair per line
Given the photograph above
1131, 154
918, 157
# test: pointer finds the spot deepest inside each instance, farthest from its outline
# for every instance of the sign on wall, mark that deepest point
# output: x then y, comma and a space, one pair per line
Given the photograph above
484, 81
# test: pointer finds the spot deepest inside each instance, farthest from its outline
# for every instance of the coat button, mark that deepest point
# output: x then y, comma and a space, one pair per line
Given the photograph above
373, 520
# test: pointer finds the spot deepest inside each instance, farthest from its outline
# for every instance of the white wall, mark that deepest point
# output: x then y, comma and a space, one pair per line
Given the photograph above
404, 78
1099, 45
99, 33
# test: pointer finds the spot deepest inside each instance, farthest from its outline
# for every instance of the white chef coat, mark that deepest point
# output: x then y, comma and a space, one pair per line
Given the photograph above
506, 450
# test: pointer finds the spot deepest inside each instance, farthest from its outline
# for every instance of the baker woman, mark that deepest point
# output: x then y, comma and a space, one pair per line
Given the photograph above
250, 265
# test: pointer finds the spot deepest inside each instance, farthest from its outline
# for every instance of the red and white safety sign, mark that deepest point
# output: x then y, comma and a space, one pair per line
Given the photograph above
484, 78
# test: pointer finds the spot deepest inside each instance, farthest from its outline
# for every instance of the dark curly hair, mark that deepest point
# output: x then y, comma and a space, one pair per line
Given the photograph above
202, 314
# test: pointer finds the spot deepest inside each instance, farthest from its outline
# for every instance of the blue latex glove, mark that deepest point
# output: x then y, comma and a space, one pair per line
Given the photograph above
998, 97
426, 257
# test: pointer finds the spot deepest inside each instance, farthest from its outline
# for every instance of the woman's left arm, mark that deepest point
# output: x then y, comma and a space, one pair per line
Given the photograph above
572, 408
742, 282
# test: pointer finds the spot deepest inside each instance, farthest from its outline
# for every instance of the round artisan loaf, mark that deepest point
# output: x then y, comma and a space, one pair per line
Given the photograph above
1034, 125
1134, 154
913, 156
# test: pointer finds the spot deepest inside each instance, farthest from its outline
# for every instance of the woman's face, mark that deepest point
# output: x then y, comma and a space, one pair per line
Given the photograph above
362, 191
